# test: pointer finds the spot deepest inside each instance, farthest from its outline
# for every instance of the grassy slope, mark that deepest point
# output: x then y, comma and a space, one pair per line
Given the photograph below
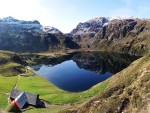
127, 90
52, 109
54, 95
6, 85
8, 65
57, 98
8, 68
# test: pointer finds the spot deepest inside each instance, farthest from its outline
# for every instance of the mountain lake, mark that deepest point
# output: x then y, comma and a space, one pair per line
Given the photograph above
80, 71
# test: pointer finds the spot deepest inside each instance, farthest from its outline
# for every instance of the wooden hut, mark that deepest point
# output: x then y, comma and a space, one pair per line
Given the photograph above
29, 98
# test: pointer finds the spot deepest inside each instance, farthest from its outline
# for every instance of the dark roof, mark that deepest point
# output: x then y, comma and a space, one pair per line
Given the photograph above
21, 100
31, 97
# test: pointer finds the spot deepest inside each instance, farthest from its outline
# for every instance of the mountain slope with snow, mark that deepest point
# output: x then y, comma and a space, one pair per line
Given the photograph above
90, 27
10, 21
31, 36
50, 29
121, 34
113, 34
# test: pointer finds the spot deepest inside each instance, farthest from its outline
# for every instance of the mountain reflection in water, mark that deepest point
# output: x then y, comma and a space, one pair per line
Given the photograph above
81, 71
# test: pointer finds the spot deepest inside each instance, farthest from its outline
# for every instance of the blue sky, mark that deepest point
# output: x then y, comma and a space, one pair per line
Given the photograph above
66, 14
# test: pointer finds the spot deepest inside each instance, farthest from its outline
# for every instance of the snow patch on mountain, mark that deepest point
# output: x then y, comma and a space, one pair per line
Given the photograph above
21, 23
90, 27
121, 18
94, 25
50, 29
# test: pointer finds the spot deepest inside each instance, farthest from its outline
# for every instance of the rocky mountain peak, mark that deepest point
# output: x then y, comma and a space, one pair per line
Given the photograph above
51, 29
34, 25
9, 19
90, 27
122, 18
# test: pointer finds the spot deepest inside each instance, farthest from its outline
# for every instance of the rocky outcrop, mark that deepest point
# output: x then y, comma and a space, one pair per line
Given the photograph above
128, 36
116, 29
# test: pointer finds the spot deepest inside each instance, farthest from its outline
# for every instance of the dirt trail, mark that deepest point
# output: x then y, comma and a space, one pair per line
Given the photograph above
47, 105
19, 77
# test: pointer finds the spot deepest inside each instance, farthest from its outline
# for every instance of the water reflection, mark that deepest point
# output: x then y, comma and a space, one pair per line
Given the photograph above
102, 62
80, 71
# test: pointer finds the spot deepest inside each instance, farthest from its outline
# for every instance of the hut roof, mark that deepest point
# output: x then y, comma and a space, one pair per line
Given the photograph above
21, 100
31, 97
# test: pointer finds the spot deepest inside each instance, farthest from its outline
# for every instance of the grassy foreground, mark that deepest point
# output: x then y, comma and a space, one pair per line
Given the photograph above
6, 85
55, 97
51, 94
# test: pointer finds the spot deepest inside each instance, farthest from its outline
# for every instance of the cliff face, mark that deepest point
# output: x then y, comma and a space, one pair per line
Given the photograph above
129, 36
116, 29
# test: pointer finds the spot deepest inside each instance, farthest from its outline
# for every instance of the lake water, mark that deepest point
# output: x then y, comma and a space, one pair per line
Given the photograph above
80, 71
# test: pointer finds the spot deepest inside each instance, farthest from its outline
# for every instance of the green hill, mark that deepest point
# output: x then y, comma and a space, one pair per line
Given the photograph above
127, 91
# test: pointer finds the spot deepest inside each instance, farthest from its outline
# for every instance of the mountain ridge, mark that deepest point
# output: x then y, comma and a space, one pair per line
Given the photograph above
103, 21
21, 23
99, 21
103, 33
31, 36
